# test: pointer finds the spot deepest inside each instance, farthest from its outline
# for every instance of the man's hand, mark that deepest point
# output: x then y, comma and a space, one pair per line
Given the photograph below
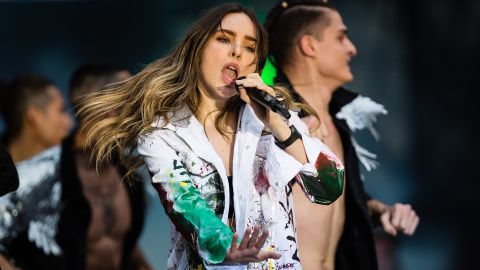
396, 218
399, 217
250, 249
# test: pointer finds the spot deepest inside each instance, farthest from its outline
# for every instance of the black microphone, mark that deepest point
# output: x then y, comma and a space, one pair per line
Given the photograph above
266, 100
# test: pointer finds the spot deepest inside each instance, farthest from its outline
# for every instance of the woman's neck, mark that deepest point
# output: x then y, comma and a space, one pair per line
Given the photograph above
208, 110
208, 114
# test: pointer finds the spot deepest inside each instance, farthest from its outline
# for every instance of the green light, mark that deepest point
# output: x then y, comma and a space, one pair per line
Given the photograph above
269, 72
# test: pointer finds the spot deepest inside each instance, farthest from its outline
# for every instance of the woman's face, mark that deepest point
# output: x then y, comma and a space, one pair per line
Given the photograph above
229, 53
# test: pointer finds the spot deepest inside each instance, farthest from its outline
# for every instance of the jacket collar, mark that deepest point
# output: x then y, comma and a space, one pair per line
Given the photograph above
187, 127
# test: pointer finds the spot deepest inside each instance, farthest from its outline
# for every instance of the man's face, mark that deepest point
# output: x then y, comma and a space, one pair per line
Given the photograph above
334, 51
52, 123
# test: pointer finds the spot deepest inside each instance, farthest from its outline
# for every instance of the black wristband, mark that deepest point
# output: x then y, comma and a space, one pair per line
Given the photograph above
295, 135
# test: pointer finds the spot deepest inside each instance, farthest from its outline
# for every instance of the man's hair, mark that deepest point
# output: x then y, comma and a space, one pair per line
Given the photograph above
289, 20
92, 77
22, 92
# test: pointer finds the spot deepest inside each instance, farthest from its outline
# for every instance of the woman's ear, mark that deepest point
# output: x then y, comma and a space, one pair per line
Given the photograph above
306, 44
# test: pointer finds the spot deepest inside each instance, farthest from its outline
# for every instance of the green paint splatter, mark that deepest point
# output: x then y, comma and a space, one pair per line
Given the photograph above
328, 185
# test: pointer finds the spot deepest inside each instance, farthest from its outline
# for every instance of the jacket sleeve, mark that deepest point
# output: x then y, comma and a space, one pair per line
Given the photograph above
321, 178
10, 222
188, 211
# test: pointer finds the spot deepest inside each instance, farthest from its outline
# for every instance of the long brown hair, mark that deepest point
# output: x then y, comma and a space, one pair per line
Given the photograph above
163, 87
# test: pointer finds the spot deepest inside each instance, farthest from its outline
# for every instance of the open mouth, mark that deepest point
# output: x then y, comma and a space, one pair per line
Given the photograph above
229, 74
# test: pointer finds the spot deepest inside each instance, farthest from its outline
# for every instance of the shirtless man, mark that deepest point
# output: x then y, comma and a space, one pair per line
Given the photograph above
312, 51
115, 208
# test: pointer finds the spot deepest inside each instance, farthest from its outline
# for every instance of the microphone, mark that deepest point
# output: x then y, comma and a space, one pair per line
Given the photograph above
266, 100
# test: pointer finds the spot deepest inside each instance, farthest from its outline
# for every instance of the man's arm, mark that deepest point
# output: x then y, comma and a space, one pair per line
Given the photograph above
394, 218
6, 265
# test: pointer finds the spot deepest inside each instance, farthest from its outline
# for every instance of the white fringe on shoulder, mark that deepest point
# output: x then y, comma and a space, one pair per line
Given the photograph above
359, 114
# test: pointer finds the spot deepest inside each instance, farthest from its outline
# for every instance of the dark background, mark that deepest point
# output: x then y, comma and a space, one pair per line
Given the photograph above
418, 58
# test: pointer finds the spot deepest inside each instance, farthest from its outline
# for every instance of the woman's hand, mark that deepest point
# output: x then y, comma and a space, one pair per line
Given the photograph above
254, 80
250, 249
272, 120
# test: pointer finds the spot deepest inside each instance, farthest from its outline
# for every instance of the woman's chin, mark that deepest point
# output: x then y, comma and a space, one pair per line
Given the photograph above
227, 91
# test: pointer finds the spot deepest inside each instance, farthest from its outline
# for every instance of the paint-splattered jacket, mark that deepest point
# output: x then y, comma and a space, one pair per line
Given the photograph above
193, 186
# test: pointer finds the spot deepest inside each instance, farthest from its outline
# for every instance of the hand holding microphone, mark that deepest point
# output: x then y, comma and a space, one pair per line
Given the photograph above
252, 83
253, 88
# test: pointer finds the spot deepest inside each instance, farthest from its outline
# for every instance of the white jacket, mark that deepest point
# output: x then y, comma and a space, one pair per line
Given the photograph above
193, 186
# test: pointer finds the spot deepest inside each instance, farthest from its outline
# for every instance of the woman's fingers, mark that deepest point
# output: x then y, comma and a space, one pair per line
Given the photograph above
265, 255
249, 249
261, 240
243, 95
234, 245
253, 239
245, 239
254, 80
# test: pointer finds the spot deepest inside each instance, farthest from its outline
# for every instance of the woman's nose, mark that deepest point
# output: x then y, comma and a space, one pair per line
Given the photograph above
236, 50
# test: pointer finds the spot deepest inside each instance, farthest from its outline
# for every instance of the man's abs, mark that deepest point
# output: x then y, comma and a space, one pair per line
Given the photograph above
319, 228
110, 215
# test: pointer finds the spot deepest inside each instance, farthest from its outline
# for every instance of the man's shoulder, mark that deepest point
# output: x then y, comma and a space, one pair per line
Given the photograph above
358, 111
341, 97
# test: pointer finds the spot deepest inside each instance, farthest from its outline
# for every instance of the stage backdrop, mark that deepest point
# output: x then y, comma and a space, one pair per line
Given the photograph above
418, 58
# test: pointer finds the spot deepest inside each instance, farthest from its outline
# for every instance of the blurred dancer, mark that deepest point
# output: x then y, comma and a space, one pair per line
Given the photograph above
36, 122
35, 116
106, 213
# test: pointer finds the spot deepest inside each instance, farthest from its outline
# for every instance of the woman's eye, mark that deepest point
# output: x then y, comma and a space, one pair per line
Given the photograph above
223, 39
250, 49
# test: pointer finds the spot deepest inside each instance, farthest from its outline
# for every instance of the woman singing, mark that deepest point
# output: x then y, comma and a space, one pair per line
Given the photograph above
220, 162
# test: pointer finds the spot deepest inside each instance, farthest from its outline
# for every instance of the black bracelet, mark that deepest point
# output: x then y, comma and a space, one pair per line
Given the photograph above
295, 135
